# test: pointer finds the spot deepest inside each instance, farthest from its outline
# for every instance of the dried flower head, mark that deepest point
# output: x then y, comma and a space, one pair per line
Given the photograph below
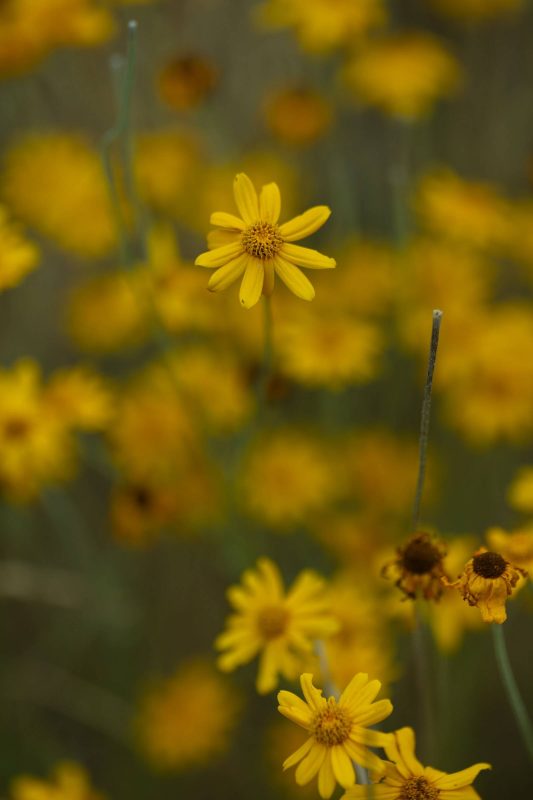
418, 569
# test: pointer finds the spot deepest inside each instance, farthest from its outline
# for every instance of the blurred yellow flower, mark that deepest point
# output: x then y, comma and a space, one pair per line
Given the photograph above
340, 732
366, 283
520, 494
18, 256
486, 582
515, 546
77, 214
403, 74
256, 246
417, 569
277, 625
281, 739
69, 782
187, 719
298, 116
286, 478
477, 10
81, 398
406, 779
320, 25
186, 81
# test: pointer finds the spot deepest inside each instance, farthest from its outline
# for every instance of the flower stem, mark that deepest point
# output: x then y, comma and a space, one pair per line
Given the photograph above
268, 354
511, 688
423, 686
425, 417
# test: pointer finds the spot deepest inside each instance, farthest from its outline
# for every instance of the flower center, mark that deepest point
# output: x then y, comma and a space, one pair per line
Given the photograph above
16, 428
418, 789
272, 621
141, 497
262, 240
332, 725
420, 555
489, 565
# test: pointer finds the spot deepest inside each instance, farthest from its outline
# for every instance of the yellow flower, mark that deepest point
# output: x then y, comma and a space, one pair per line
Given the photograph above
406, 779
516, 546
187, 719
79, 217
139, 510
340, 732
477, 10
298, 116
486, 582
279, 626
520, 494
186, 81
69, 782
81, 398
403, 74
417, 569
18, 256
254, 244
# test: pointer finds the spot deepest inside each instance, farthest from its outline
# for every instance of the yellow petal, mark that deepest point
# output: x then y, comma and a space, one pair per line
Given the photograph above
252, 283
364, 757
326, 779
294, 279
311, 693
306, 257
270, 203
299, 754
370, 738
305, 224
350, 695
291, 701
222, 220
246, 198
220, 256
405, 740
219, 238
374, 713
227, 274
342, 767
459, 780
308, 768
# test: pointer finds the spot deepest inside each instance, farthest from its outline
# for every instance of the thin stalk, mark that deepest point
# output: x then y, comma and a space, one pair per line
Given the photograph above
511, 687
425, 417
423, 686
268, 357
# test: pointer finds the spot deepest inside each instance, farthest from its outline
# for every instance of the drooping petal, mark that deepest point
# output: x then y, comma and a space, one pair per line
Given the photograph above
252, 283
326, 778
306, 257
222, 220
228, 274
458, 780
308, 768
298, 754
305, 224
270, 203
342, 767
219, 256
246, 198
311, 693
294, 279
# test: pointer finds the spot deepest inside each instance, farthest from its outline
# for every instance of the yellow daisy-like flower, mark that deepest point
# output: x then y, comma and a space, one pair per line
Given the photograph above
339, 732
406, 779
486, 582
280, 626
69, 782
254, 245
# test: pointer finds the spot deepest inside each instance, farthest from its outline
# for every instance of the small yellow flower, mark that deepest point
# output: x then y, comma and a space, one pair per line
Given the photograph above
339, 732
417, 569
186, 81
69, 782
520, 494
486, 582
254, 245
406, 779
280, 626
298, 116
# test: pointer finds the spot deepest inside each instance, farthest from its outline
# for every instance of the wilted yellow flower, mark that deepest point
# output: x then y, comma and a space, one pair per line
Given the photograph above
187, 719
18, 256
520, 494
486, 582
417, 569
340, 732
256, 246
81, 398
477, 10
403, 74
77, 215
298, 116
515, 546
406, 779
186, 81
320, 25
286, 478
69, 782
278, 626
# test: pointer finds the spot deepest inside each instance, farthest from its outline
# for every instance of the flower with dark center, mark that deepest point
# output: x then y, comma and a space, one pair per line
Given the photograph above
417, 568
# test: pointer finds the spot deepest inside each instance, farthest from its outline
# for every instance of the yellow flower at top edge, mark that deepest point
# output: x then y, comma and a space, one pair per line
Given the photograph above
477, 10
406, 779
340, 732
69, 782
255, 246
278, 625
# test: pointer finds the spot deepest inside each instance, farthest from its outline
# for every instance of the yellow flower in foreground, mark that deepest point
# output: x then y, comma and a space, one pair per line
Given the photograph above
69, 782
406, 779
254, 245
280, 626
486, 582
339, 732
18, 256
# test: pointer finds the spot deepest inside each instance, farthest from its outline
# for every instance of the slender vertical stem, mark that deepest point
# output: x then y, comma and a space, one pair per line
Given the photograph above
268, 354
423, 686
425, 417
513, 693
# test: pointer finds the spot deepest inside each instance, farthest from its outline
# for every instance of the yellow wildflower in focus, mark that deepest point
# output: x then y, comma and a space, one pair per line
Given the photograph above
77, 214
515, 546
186, 81
81, 398
187, 720
320, 25
477, 10
18, 256
340, 732
486, 582
298, 116
467, 212
277, 625
417, 569
69, 782
287, 477
406, 779
254, 245
403, 74
520, 494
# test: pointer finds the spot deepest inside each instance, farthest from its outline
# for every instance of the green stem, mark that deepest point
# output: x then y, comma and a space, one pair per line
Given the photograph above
511, 688
423, 686
268, 357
